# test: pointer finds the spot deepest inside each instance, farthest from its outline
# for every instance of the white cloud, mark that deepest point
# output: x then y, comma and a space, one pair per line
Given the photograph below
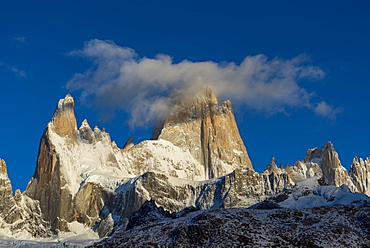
144, 87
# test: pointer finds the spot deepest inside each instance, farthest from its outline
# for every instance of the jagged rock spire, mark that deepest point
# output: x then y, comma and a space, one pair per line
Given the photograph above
85, 132
272, 167
2, 166
209, 131
47, 181
327, 158
360, 173
7, 202
64, 120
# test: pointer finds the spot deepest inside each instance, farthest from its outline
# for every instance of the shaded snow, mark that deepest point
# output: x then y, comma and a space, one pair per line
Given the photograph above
308, 194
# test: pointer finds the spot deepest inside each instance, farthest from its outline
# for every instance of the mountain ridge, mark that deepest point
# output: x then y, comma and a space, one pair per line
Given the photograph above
198, 160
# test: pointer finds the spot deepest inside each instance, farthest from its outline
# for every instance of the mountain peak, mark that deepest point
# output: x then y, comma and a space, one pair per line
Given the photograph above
3, 166
64, 120
272, 167
66, 102
327, 158
189, 107
328, 146
208, 131
85, 124
207, 95
330, 156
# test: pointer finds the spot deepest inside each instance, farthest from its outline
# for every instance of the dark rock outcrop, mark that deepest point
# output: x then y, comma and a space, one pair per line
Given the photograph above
334, 226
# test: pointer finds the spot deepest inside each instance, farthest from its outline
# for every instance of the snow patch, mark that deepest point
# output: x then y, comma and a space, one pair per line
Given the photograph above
308, 194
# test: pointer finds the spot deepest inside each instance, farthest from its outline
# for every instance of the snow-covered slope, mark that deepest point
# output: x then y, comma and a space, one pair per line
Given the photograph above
311, 193
92, 153
162, 156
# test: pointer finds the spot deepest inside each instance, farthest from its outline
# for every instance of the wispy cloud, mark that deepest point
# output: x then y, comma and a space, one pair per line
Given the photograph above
18, 38
325, 110
17, 72
144, 87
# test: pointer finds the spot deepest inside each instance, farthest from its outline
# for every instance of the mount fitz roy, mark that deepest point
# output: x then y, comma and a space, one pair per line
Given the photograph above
196, 160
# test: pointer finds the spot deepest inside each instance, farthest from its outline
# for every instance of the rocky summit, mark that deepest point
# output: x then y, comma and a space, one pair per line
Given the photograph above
190, 185
209, 132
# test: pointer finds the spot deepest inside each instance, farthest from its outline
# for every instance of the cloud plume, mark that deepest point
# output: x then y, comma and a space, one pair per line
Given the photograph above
144, 87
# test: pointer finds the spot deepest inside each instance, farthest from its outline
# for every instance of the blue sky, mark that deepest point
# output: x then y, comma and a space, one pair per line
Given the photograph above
324, 92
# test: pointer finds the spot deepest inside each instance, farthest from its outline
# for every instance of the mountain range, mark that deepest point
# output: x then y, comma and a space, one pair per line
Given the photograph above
193, 176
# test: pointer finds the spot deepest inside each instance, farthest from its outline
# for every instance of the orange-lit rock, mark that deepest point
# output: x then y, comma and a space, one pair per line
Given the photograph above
209, 131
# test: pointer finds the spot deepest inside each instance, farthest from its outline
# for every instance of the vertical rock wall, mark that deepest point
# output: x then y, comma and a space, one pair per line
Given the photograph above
209, 131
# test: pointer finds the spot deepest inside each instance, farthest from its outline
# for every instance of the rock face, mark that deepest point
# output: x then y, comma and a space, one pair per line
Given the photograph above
64, 120
360, 174
7, 202
18, 213
48, 184
239, 189
332, 169
209, 132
